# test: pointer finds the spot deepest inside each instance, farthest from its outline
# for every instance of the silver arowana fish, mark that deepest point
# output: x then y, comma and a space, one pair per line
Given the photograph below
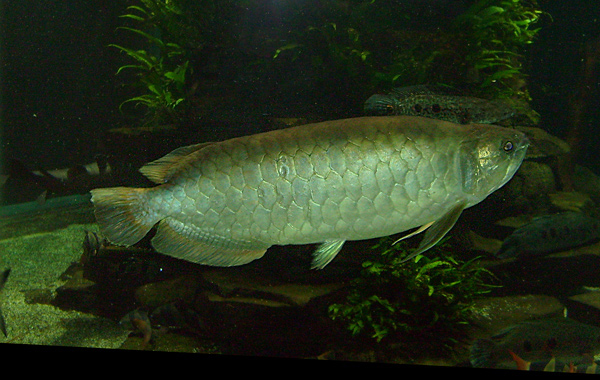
437, 103
225, 203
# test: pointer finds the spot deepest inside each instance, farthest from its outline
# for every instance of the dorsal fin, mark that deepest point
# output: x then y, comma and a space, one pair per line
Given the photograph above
161, 170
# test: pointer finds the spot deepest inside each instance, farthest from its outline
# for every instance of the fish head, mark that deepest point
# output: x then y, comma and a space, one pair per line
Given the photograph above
381, 105
489, 158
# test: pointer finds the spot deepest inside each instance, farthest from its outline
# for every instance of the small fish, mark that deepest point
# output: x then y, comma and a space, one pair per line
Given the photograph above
139, 322
550, 233
92, 243
3, 278
422, 100
75, 179
226, 203
565, 339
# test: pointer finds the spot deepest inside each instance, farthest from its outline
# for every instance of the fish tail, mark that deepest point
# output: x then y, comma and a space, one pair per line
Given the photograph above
521, 364
123, 214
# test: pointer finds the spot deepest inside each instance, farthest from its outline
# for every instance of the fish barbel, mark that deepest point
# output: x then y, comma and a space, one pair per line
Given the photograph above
225, 203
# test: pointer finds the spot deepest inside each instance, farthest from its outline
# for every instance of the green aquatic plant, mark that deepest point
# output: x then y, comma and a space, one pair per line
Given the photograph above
375, 45
430, 296
162, 67
340, 43
497, 31
172, 44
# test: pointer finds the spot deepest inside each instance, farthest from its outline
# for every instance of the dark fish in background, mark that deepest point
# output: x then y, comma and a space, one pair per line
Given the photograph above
554, 365
3, 278
565, 339
74, 179
550, 233
437, 103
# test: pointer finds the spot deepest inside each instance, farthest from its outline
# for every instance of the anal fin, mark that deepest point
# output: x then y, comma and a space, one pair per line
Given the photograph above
178, 240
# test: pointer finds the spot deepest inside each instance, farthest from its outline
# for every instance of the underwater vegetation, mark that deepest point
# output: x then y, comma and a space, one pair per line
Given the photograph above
483, 46
351, 48
175, 36
496, 32
429, 297
161, 68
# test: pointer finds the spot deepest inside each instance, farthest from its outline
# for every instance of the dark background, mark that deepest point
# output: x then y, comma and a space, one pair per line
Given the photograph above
60, 92
58, 79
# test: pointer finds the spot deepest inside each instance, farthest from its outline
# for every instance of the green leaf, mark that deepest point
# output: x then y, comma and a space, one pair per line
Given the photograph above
140, 9
157, 41
140, 55
134, 17
129, 67
286, 47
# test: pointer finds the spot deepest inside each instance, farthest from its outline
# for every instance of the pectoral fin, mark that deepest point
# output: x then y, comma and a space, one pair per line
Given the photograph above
326, 252
421, 229
437, 230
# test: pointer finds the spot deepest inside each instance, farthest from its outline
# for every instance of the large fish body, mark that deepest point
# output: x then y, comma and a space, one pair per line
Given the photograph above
550, 233
420, 100
226, 203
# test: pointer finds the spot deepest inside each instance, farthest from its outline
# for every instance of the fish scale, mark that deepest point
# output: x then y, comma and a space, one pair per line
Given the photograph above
291, 189
226, 203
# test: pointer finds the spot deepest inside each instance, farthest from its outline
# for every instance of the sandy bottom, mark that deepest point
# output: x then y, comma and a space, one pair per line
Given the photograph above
37, 261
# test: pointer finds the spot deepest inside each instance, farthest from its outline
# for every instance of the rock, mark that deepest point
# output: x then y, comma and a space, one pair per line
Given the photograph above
155, 294
538, 179
587, 182
43, 296
77, 293
493, 313
246, 287
543, 144
591, 298
571, 201
480, 243
585, 307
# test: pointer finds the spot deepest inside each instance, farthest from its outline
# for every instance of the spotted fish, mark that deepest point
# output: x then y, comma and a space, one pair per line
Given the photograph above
422, 100
537, 340
225, 203
550, 233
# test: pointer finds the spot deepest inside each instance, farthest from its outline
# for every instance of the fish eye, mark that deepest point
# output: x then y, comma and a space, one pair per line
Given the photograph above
508, 146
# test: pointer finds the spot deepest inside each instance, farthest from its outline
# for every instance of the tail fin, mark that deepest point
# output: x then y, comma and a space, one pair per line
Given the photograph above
122, 214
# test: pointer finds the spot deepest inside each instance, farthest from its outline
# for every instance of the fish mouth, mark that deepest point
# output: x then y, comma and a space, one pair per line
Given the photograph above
379, 105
